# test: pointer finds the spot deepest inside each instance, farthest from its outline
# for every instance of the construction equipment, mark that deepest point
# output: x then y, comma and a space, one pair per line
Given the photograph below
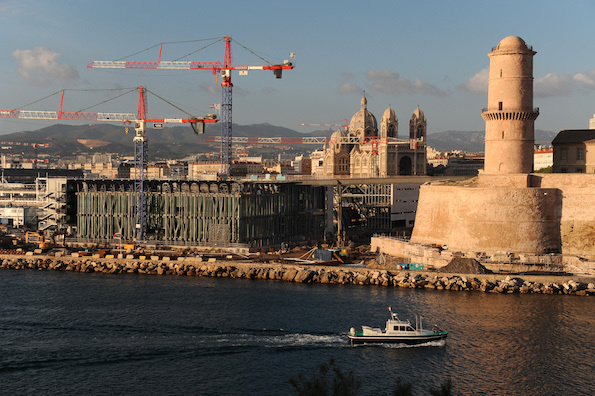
140, 121
37, 241
35, 146
224, 69
344, 126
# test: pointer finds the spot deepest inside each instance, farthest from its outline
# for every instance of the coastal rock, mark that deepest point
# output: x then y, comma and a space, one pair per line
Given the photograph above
297, 274
304, 276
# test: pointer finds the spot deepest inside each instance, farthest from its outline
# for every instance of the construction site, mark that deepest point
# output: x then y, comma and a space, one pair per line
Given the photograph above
204, 213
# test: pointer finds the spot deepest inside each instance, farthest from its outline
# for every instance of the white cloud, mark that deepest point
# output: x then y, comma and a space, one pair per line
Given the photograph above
586, 79
40, 66
346, 75
215, 89
268, 90
386, 81
211, 89
552, 84
478, 83
349, 87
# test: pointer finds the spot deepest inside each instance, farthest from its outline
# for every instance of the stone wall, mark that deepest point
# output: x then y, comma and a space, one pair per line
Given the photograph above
577, 222
483, 219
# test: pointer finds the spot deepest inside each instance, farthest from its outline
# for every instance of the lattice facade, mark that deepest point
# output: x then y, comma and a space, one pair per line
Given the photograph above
200, 212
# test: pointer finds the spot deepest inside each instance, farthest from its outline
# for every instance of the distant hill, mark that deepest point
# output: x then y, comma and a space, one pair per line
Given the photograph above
180, 141
474, 141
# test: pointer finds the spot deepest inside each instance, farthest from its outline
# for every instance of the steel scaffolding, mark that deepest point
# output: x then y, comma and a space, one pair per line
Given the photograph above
260, 214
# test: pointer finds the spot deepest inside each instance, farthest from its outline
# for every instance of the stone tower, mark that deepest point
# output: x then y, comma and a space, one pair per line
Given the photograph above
510, 116
418, 125
389, 124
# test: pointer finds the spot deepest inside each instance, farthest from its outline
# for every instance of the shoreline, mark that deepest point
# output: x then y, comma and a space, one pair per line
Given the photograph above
492, 283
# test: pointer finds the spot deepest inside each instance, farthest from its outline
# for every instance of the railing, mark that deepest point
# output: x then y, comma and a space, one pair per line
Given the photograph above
485, 110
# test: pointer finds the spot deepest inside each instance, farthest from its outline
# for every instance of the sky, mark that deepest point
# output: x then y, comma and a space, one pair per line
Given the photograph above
431, 54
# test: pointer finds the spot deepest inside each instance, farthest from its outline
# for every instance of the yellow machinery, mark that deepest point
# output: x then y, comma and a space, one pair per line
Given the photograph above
37, 240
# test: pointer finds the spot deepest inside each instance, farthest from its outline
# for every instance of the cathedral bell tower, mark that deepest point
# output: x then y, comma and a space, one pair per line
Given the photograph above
510, 116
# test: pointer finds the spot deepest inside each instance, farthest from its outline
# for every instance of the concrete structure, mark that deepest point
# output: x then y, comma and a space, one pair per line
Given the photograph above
404, 205
363, 151
574, 151
194, 213
543, 157
38, 205
510, 115
508, 209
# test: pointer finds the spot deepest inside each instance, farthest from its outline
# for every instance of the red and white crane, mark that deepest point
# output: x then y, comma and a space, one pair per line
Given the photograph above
140, 121
25, 144
344, 126
224, 69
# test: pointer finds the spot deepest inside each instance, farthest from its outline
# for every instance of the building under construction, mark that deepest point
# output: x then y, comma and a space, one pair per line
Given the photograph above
199, 212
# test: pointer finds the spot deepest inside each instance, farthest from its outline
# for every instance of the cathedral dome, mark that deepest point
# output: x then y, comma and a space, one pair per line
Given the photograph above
363, 120
512, 43
418, 113
337, 135
389, 114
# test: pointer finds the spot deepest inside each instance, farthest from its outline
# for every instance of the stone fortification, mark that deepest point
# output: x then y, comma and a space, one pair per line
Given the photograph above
509, 209
308, 274
532, 214
510, 116
577, 215
489, 220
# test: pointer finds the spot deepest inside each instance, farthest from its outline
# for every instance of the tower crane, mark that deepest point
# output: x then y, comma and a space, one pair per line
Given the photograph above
224, 69
344, 126
140, 121
35, 146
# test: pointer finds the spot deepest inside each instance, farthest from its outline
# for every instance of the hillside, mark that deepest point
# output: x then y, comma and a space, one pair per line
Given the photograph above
473, 141
178, 142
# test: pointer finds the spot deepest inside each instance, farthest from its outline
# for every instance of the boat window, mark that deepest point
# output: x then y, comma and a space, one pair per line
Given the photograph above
396, 328
402, 328
409, 328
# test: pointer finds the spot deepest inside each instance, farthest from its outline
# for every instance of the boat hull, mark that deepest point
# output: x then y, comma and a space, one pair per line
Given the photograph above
387, 339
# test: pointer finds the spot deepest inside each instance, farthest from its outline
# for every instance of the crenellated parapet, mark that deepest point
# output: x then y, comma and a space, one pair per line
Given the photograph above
515, 115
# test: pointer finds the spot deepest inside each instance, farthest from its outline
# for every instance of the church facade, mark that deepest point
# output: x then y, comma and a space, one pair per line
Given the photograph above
368, 151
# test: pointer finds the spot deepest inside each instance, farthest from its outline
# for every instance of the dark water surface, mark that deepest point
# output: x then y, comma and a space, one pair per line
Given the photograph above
77, 333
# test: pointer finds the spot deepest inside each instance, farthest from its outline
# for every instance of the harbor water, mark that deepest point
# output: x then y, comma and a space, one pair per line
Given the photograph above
79, 333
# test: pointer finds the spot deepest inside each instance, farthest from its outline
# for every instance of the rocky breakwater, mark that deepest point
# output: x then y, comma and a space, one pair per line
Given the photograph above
310, 274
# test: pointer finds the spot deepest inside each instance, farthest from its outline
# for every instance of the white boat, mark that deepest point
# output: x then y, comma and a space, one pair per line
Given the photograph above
397, 332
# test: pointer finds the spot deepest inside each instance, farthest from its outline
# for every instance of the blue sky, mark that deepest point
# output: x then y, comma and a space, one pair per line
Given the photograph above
402, 53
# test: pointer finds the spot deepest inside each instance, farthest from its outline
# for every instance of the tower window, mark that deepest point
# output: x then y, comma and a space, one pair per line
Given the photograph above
502, 134
500, 72
499, 105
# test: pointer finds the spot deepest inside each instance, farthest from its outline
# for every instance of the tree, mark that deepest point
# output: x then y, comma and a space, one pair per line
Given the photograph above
445, 389
342, 384
402, 388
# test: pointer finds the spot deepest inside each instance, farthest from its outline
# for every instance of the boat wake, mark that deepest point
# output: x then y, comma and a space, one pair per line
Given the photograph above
437, 343
277, 339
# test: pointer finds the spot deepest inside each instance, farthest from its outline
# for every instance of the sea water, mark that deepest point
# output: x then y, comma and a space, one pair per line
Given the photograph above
97, 334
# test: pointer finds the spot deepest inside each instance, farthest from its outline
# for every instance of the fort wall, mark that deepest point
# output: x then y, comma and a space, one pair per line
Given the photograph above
536, 213
483, 219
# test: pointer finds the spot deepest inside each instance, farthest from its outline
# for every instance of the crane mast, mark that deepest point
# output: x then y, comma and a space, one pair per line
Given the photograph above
226, 104
140, 121
224, 69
